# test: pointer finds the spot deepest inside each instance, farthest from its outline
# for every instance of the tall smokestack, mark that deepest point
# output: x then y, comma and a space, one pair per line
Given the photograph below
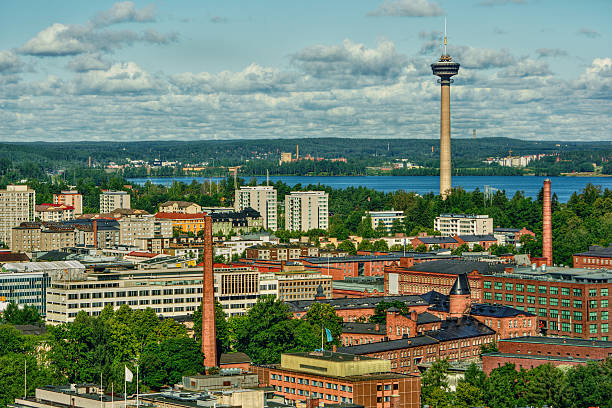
209, 334
90, 161
547, 225
95, 233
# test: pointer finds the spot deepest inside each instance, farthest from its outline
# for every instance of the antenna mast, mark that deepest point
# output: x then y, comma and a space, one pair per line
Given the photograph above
445, 53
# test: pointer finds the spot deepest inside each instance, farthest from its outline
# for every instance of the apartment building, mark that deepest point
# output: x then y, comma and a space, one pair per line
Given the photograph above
463, 224
295, 283
112, 200
70, 198
54, 212
306, 210
181, 207
187, 223
281, 252
327, 377
17, 205
132, 229
260, 198
236, 221
386, 218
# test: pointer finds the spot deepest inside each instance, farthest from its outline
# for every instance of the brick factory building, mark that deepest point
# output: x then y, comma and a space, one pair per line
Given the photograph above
597, 257
327, 377
529, 351
353, 266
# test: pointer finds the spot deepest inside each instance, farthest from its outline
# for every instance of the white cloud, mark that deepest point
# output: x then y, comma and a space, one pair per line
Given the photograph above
10, 63
527, 68
119, 78
124, 12
596, 81
88, 62
471, 57
408, 8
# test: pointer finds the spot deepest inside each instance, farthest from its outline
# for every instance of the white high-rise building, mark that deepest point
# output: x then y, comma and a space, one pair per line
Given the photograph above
463, 224
111, 200
306, 210
133, 229
261, 199
17, 205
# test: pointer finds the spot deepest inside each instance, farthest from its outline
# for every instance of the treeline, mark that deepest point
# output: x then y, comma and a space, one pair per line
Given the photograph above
572, 387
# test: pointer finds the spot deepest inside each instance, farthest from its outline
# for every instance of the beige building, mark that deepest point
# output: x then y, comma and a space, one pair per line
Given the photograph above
54, 212
31, 237
26, 238
181, 207
463, 224
16, 206
260, 198
295, 283
133, 229
71, 198
111, 200
306, 210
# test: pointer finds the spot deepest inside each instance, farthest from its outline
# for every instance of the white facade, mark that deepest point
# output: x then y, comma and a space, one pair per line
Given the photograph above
386, 217
306, 210
261, 199
134, 228
17, 205
112, 200
55, 213
462, 224
71, 198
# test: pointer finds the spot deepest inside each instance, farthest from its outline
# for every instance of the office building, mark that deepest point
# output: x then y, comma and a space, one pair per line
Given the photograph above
386, 218
463, 224
112, 200
329, 377
306, 210
134, 228
17, 205
70, 198
260, 198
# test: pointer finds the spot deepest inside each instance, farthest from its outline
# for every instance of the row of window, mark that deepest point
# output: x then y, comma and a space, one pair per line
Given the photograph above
553, 290
508, 297
593, 328
314, 383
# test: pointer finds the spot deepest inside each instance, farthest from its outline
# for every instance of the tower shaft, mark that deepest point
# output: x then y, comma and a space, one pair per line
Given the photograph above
445, 141
209, 335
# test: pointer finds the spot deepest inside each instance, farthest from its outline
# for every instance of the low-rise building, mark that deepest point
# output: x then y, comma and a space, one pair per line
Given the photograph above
485, 241
181, 207
281, 252
328, 377
188, 223
352, 266
511, 236
54, 212
531, 351
435, 242
295, 283
597, 257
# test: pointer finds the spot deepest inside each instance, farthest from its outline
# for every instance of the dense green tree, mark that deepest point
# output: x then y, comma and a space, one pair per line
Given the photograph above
222, 328
380, 245
347, 246
324, 315
24, 315
434, 386
380, 311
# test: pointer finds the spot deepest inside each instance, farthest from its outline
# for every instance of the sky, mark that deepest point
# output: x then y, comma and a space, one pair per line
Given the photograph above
230, 69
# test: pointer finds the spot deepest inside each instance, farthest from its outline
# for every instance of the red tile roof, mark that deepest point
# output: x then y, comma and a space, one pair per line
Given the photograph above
177, 216
143, 254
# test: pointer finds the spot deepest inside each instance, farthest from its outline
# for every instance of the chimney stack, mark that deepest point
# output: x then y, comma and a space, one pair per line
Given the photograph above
209, 335
547, 225
95, 233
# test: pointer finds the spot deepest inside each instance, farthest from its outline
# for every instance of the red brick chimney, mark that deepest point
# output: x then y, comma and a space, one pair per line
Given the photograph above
547, 225
209, 337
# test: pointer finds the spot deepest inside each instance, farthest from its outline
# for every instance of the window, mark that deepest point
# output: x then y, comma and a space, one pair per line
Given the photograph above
520, 298
531, 288
509, 298
565, 303
592, 292
553, 301
593, 304
509, 286
541, 289
554, 313
578, 304
577, 292
519, 287
604, 292
604, 315
592, 328
604, 303
498, 296
486, 285
577, 328
565, 291
498, 285
487, 295
531, 310
577, 316
565, 314
530, 299
565, 327
604, 327
541, 300
542, 312
553, 290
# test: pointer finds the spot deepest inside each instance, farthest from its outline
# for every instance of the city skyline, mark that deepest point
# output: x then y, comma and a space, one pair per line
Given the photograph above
190, 70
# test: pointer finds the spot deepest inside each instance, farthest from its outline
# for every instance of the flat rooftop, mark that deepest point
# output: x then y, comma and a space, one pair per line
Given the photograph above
539, 357
559, 341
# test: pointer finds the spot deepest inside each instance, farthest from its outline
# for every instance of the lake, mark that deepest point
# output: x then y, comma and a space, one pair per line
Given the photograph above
530, 185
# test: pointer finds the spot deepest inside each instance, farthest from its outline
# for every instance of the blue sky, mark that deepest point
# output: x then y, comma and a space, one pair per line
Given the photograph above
195, 69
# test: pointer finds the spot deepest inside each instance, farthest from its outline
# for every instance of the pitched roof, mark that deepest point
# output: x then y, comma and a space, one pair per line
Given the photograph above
456, 266
13, 257
180, 204
178, 216
363, 328
437, 240
484, 309
461, 285
477, 238
426, 317
234, 358
381, 346
460, 328
298, 306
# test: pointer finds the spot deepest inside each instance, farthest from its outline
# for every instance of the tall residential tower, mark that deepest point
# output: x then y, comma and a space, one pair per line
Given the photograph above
445, 68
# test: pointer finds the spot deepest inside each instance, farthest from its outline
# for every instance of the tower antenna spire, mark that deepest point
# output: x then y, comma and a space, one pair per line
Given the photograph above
445, 53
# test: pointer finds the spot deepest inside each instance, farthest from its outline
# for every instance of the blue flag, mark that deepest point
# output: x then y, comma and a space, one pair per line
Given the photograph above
329, 335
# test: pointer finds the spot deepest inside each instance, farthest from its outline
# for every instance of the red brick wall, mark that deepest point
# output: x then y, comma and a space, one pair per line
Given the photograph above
564, 350
489, 363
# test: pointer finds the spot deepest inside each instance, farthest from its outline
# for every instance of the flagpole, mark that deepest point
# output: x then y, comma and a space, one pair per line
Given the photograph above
25, 379
125, 389
137, 386
322, 337
101, 392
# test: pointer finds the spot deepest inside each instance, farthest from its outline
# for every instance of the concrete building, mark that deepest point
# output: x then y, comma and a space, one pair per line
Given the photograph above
260, 198
187, 223
306, 210
17, 205
238, 222
295, 283
54, 212
445, 68
511, 236
181, 207
530, 351
71, 198
328, 377
281, 252
387, 218
352, 266
133, 229
463, 224
112, 200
